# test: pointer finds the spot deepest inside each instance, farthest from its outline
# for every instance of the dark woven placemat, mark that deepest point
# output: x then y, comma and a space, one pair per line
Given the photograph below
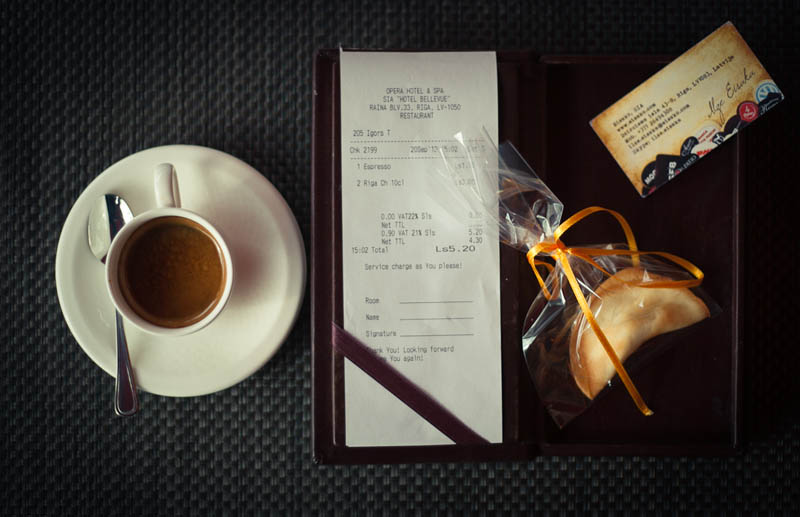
86, 83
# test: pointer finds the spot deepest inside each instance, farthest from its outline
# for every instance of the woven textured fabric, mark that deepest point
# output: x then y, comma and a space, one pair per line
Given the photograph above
84, 84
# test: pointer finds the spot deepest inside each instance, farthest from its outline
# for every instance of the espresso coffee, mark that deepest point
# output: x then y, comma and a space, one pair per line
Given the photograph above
171, 272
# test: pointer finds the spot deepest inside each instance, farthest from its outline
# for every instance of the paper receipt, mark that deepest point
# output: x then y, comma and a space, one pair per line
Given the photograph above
420, 275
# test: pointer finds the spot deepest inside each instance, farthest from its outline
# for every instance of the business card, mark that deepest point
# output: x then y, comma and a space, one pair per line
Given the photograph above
687, 109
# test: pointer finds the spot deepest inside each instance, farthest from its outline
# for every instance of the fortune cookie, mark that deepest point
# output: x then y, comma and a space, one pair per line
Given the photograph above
628, 315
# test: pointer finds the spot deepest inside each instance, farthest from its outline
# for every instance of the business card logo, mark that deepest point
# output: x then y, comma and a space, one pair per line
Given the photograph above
748, 111
705, 139
764, 89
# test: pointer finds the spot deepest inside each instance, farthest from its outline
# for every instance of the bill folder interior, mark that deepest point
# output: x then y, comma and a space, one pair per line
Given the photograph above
545, 104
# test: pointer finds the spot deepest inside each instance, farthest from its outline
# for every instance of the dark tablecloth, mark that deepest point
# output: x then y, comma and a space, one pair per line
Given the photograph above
85, 84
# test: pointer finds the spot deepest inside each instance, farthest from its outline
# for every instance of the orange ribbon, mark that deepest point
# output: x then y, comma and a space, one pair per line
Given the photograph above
556, 249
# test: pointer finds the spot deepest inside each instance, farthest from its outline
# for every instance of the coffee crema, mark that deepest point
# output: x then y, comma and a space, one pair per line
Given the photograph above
172, 272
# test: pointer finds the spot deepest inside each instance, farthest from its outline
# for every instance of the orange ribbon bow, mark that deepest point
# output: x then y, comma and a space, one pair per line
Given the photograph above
560, 253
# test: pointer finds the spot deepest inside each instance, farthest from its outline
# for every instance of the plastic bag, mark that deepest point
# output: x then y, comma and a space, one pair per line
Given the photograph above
598, 304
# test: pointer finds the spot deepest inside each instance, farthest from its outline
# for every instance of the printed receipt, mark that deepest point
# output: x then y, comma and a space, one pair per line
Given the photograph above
420, 273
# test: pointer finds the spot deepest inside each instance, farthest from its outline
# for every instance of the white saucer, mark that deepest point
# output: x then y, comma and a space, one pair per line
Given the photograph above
269, 273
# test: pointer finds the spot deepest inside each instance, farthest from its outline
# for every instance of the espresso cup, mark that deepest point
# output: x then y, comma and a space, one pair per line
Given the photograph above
168, 270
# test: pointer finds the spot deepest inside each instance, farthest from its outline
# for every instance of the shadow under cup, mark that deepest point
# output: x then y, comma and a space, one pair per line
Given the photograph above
172, 272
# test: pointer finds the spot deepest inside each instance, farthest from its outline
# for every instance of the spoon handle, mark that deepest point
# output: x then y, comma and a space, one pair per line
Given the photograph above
126, 401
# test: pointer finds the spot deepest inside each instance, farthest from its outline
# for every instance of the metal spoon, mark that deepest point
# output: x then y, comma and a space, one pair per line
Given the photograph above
106, 218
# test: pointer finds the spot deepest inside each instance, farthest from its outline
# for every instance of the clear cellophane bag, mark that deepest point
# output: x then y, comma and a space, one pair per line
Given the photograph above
599, 305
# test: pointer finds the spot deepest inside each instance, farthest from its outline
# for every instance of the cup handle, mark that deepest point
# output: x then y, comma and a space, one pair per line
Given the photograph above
165, 182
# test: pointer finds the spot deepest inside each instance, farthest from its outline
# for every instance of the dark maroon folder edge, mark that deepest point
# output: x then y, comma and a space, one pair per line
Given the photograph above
545, 104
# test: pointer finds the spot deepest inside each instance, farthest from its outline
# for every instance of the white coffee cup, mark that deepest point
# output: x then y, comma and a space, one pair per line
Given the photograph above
167, 205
